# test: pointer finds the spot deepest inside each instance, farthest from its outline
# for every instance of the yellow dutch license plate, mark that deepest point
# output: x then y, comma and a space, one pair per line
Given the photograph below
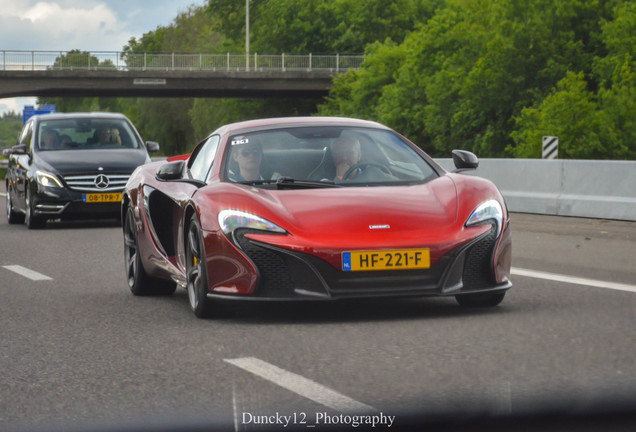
403, 259
101, 198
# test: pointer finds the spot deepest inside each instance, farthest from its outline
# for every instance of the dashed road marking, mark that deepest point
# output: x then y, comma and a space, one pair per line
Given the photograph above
572, 279
301, 385
27, 273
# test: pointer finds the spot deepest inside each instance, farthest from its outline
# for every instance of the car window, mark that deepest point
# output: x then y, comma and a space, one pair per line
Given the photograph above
203, 160
86, 134
26, 135
352, 156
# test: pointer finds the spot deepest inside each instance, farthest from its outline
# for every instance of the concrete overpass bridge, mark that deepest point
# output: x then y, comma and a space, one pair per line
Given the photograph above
121, 74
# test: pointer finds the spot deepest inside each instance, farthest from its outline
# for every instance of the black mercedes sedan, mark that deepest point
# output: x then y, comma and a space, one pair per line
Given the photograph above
69, 166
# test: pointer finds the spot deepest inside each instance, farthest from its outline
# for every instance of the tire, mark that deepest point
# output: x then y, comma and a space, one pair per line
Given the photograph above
139, 282
13, 217
480, 299
31, 221
196, 272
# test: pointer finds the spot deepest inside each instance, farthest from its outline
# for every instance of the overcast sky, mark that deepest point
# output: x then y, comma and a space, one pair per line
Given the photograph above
87, 25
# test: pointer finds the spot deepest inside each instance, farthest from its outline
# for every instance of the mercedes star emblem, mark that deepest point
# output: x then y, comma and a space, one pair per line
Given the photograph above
101, 181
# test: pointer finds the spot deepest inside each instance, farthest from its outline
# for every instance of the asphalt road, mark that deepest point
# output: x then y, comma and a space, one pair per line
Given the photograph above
78, 350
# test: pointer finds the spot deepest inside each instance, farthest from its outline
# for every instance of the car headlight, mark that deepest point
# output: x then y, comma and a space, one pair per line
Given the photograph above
229, 220
47, 179
487, 212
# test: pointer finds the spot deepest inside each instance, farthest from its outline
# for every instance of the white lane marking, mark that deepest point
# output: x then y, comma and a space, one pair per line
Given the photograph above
573, 280
27, 273
301, 385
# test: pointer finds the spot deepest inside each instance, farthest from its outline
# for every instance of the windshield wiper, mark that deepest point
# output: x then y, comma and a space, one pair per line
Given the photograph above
291, 183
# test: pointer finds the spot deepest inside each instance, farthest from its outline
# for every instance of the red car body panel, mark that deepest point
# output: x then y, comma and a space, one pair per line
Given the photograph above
321, 223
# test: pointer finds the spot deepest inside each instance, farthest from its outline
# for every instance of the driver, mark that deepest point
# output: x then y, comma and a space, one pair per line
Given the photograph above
247, 156
50, 139
346, 153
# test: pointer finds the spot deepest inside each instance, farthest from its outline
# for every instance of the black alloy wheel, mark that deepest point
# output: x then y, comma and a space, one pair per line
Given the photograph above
196, 271
13, 217
32, 221
139, 282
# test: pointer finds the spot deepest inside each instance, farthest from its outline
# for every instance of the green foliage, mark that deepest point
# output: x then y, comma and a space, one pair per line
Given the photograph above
593, 115
495, 76
345, 26
209, 114
10, 127
73, 104
166, 121
75, 59
491, 76
192, 31
355, 93
570, 113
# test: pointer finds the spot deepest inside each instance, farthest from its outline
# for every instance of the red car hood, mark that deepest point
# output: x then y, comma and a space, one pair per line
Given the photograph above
360, 217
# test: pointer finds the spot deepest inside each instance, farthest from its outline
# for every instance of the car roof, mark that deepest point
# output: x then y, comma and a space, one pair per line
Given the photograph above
297, 121
95, 115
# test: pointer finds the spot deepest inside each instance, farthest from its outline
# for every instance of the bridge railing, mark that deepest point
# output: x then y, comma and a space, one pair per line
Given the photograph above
125, 61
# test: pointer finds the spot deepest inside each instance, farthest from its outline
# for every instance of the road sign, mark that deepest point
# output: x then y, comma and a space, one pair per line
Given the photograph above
550, 147
30, 110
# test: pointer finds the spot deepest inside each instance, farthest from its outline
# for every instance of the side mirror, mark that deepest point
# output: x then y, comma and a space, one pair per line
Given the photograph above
171, 170
152, 146
464, 160
16, 149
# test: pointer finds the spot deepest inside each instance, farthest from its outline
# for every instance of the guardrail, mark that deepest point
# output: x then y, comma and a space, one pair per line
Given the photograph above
125, 61
4, 163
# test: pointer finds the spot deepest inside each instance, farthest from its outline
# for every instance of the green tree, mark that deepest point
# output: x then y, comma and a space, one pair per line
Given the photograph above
10, 127
592, 115
571, 113
616, 73
319, 25
355, 93
470, 70
167, 120
209, 114
75, 59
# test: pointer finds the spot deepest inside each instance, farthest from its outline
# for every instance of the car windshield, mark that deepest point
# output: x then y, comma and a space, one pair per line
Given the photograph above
328, 155
85, 134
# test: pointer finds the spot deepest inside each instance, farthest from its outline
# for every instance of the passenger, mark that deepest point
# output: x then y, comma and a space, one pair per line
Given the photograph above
114, 136
345, 152
49, 140
248, 159
102, 136
65, 141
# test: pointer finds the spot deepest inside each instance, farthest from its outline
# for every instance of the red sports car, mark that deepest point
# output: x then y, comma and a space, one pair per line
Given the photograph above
314, 208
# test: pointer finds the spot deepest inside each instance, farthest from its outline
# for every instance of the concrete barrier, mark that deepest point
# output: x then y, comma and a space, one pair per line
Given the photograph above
582, 188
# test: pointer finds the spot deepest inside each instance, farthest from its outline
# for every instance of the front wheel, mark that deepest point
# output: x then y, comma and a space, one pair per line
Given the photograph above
31, 220
13, 217
480, 299
196, 272
139, 282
